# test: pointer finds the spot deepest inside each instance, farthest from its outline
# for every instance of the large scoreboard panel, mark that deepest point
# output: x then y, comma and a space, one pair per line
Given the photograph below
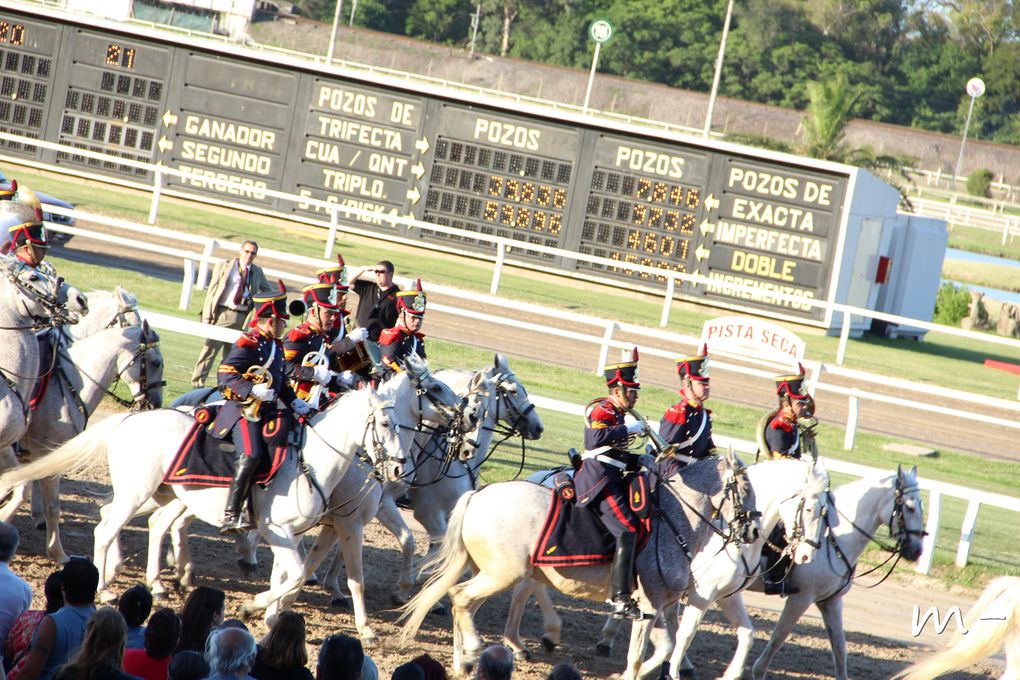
246, 123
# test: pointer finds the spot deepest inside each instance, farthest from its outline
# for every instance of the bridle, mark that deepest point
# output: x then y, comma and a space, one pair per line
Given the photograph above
56, 313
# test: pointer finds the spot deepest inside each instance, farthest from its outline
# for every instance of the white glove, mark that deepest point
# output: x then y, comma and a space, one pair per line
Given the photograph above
637, 427
263, 392
322, 375
358, 335
347, 379
301, 407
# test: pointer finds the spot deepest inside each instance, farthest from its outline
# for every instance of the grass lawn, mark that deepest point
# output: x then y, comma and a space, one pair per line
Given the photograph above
983, 241
998, 276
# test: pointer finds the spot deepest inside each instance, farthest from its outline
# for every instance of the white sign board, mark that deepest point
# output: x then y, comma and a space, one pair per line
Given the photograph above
600, 31
975, 87
755, 337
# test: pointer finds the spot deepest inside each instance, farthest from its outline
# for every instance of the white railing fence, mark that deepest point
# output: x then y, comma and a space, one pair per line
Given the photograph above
934, 488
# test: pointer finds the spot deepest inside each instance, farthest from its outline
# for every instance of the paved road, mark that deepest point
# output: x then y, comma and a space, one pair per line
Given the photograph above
931, 430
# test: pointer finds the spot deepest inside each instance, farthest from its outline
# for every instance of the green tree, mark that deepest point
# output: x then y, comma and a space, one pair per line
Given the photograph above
984, 25
442, 21
828, 112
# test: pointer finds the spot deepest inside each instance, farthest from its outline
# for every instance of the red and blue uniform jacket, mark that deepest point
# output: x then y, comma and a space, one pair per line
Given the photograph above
783, 437
398, 343
251, 349
606, 455
688, 427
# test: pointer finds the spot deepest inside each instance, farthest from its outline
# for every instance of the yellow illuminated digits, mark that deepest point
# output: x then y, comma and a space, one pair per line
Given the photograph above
643, 188
544, 194
4, 28
18, 34
671, 221
559, 198
491, 208
676, 196
506, 215
633, 239
666, 245
513, 190
538, 221
659, 193
113, 55
528, 193
523, 218
129, 58
685, 247
555, 223
650, 244
495, 185
639, 214
693, 197
687, 224
655, 217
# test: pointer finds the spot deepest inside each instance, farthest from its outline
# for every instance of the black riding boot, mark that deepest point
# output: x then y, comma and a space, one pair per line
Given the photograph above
234, 520
777, 565
621, 578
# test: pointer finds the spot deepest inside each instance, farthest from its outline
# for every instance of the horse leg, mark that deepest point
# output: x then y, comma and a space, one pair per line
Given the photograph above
48, 492
320, 551
464, 599
639, 632
735, 612
351, 542
389, 516
38, 512
795, 607
690, 620
246, 546
552, 624
159, 523
604, 647
512, 629
832, 615
113, 517
338, 596
19, 495
661, 636
184, 567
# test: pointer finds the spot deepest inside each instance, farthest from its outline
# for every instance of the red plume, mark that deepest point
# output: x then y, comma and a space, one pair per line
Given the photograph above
418, 285
634, 355
340, 259
279, 284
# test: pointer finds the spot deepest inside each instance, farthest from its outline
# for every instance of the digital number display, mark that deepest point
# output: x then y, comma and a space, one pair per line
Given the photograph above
124, 57
640, 220
12, 34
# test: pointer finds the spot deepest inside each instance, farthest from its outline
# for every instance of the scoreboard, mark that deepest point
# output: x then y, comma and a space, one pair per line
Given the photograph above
780, 225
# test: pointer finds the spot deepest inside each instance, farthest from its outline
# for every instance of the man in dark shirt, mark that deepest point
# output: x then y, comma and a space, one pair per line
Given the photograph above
377, 299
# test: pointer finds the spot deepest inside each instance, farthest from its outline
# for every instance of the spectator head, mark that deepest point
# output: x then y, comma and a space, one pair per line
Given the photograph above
103, 644
284, 647
135, 605
9, 539
495, 663
162, 634
81, 578
408, 671
54, 591
384, 273
187, 665
369, 671
202, 611
433, 669
340, 658
230, 651
233, 623
564, 671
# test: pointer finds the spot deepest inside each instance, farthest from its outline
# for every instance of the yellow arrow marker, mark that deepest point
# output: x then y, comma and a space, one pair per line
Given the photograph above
422, 145
701, 253
418, 170
165, 144
413, 195
169, 118
707, 227
711, 203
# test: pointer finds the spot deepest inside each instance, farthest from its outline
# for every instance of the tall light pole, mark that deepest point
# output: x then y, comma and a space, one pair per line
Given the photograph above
718, 70
354, 9
475, 19
332, 35
975, 88
600, 31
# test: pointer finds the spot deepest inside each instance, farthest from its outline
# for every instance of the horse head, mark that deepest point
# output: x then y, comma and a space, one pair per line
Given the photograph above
514, 409
436, 401
802, 514
739, 507
43, 296
479, 401
383, 442
127, 308
143, 373
906, 514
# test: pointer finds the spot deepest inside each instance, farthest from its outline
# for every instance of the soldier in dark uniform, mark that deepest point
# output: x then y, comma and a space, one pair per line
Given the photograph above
336, 275
687, 425
313, 336
406, 338
258, 347
602, 482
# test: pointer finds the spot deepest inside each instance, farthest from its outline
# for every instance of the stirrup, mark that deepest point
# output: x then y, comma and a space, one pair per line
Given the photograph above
626, 609
239, 524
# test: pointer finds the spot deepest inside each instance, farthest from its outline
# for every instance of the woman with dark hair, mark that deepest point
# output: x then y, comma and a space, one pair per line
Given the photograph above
102, 650
187, 665
135, 606
283, 656
161, 637
433, 669
19, 639
202, 611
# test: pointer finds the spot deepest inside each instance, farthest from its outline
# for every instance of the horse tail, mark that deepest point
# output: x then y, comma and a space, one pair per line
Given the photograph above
73, 456
447, 566
993, 617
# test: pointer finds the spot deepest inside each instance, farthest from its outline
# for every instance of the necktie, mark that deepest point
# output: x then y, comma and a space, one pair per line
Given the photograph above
239, 293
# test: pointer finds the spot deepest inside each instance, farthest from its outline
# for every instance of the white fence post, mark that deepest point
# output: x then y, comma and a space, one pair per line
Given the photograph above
157, 190
667, 303
967, 533
497, 269
186, 283
844, 337
851, 423
604, 349
203, 266
932, 527
331, 235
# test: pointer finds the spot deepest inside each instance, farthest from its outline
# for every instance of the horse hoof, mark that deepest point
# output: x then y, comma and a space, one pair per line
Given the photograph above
368, 638
40, 525
604, 651
312, 580
341, 602
686, 673
398, 600
548, 645
522, 655
247, 568
439, 610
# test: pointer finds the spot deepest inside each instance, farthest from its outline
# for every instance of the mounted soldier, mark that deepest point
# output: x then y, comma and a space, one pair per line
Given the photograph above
607, 470
310, 361
347, 340
687, 425
406, 338
251, 379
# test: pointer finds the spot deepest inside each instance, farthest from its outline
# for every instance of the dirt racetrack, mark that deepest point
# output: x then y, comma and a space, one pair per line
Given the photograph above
879, 638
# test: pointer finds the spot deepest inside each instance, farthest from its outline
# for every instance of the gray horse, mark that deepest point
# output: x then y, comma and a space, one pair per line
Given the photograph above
493, 532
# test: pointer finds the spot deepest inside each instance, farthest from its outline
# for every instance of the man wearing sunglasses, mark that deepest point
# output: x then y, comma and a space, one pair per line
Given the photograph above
377, 297
227, 303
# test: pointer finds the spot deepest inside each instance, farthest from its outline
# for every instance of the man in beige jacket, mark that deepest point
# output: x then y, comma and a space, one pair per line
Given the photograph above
228, 302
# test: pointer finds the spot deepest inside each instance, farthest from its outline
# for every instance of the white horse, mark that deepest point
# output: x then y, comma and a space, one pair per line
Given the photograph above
358, 425
789, 490
854, 513
83, 374
107, 308
993, 623
442, 476
493, 531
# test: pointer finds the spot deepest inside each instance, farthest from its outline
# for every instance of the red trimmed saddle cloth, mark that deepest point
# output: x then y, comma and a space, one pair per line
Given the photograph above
203, 460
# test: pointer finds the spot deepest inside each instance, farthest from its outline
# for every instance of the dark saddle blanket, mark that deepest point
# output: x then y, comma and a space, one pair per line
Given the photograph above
203, 460
573, 536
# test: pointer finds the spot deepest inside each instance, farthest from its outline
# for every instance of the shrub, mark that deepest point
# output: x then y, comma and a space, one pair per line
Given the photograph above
951, 304
979, 183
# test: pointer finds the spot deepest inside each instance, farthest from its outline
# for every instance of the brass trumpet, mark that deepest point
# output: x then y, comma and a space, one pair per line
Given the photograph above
258, 375
663, 449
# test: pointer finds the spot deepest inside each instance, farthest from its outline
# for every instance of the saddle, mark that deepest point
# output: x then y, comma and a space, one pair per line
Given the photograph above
204, 460
575, 537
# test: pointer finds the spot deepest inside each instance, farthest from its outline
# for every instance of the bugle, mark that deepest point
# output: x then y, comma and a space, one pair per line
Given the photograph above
258, 375
663, 449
